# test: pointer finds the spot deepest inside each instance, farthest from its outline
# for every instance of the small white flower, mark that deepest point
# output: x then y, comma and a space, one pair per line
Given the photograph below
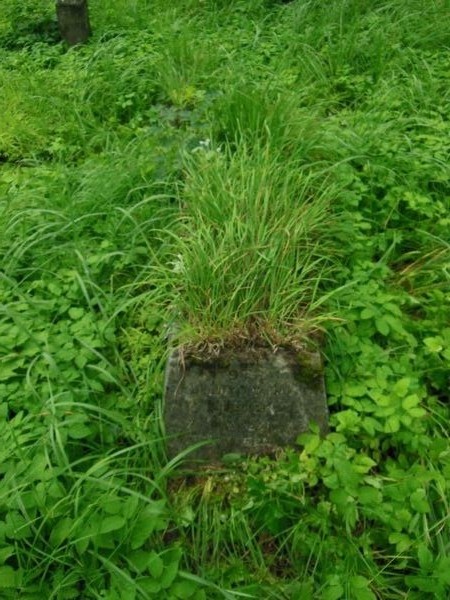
178, 265
203, 145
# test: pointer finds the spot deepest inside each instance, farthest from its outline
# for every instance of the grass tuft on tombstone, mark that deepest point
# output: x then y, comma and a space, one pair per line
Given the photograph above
251, 255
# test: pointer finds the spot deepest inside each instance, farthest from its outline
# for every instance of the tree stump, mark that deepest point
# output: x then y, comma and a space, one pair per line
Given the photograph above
73, 21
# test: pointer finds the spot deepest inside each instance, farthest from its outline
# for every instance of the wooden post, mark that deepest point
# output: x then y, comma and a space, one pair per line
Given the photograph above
73, 21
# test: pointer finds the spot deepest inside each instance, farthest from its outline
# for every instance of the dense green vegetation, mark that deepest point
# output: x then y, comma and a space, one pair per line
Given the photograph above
296, 154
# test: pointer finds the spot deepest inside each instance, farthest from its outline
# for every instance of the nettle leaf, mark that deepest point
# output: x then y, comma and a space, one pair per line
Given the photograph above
355, 390
310, 441
55, 288
334, 591
56, 490
382, 326
348, 420
392, 424
393, 308
152, 518
418, 412
78, 431
360, 587
371, 425
112, 523
82, 542
9, 577
401, 540
81, 359
169, 574
406, 420
5, 553
17, 526
381, 400
340, 498
443, 570
369, 495
149, 585
426, 558
112, 505
331, 481
9, 366
419, 501
95, 385
155, 565
130, 507
76, 313
367, 313
348, 475
39, 470
410, 401
139, 560
424, 584
434, 344
61, 531
395, 324
402, 387
363, 464
183, 589
124, 585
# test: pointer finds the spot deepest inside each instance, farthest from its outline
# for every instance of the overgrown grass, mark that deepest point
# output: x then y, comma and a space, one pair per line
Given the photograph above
253, 247
245, 169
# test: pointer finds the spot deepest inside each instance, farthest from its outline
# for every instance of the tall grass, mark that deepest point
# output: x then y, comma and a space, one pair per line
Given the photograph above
57, 504
246, 169
252, 247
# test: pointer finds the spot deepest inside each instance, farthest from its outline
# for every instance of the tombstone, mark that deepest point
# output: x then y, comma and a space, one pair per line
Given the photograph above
73, 21
250, 402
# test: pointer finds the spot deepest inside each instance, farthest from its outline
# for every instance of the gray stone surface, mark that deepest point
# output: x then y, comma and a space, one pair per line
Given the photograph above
250, 403
73, 21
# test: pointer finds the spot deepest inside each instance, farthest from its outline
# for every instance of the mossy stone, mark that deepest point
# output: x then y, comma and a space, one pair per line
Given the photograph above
251, 403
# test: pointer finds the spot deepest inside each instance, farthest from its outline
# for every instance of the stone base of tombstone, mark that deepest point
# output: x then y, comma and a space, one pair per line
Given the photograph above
253, 402
73, 21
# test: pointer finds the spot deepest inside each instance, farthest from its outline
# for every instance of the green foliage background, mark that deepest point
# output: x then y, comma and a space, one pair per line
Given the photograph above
102, 148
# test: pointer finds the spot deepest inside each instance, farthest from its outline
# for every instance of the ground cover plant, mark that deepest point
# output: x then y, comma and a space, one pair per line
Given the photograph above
294, 153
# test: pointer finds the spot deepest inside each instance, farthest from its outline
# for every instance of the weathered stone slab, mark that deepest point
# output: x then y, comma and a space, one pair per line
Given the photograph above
73, 21
250, 403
